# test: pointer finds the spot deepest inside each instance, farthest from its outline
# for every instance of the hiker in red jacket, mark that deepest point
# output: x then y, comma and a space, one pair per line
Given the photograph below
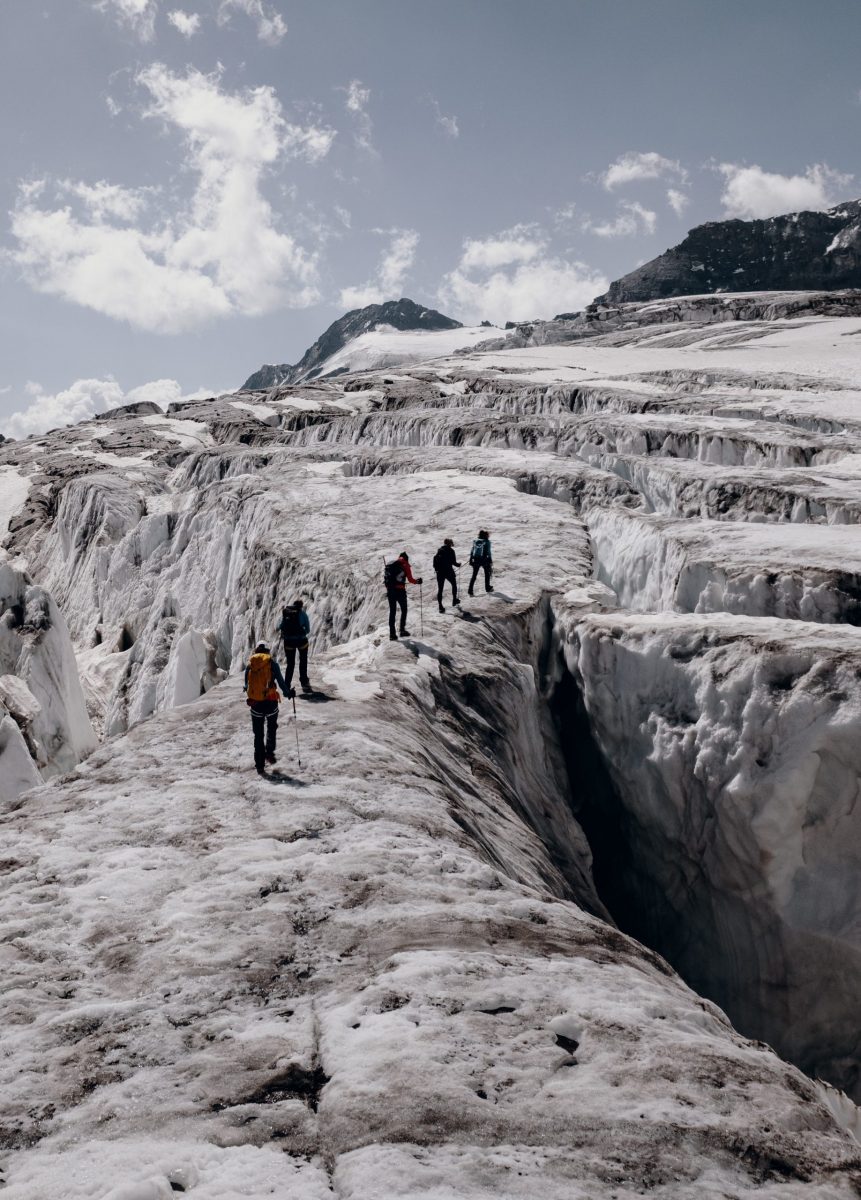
395, 579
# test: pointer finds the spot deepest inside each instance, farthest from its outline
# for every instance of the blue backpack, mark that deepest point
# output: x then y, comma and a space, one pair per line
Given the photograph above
479, 551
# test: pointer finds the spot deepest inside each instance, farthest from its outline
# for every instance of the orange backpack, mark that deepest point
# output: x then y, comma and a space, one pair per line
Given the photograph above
260, 683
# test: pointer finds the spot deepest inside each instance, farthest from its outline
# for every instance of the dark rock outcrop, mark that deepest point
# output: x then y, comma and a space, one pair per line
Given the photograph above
400, 314
798, 251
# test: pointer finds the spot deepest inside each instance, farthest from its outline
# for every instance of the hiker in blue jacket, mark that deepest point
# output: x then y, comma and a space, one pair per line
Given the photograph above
295, 631
481, 559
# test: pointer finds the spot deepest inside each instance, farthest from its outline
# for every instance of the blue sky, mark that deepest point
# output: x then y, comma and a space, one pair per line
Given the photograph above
194, 187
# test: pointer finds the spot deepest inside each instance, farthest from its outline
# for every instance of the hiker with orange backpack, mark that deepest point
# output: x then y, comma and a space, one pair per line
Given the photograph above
262, 679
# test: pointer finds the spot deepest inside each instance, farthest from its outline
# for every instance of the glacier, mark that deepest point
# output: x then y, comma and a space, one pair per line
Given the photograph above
563, 897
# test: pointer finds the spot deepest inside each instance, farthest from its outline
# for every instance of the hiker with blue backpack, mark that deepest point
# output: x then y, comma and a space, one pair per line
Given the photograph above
295, 630
481, 559
396, 576
262, 679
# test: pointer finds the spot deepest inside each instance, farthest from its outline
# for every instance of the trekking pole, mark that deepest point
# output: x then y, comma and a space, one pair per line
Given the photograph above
296, 731
421, 610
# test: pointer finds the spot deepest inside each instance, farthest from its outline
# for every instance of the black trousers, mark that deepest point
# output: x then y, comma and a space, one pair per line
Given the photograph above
446, 576
476, 567
264, 722
397, 600
290, 655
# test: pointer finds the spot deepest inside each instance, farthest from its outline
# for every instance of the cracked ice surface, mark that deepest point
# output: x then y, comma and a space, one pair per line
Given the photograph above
368, 977
357, 974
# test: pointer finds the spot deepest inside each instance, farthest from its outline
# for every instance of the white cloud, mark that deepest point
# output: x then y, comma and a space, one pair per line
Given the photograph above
84, 399
750, 192
448, 125
221, 254
514, 246
103, 200
678, 201
513, 277
633, 218
356, 103
635, 166
271, 26
388, 281
187, 23
139, 15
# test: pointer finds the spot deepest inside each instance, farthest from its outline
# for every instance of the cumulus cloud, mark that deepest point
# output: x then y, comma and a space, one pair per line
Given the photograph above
678, 201
138, 15
751, 192
271, 26
107, 200
83, 400
222, 253
633, 218
448, 125
636, 166
356, 102
513, 276
388, 281
187, 23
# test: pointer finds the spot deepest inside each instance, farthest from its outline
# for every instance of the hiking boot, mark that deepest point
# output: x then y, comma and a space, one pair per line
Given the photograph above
306, 686
456, 602
488, 589
271, 759
393, 637
441, 609
470, 592
261, 771
405, 633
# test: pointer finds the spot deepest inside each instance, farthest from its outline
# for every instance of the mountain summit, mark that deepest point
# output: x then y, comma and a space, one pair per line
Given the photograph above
400, 314
798, 251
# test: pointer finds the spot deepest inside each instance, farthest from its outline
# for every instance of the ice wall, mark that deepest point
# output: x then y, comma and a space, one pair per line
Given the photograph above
732, 748
44, 726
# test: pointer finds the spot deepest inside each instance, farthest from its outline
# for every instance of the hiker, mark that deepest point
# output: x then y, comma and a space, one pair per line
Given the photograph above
444, 562
261, 676
295, 630
481, 558
395, 578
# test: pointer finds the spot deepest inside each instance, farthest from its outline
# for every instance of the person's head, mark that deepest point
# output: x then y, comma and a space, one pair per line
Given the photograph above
298, 603
448, 542
482, 533
261, 648
405, 556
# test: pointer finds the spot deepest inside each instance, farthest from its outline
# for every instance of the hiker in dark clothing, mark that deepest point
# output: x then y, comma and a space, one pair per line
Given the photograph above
395, 578
444, 562
481, 559
261, 677
295, 630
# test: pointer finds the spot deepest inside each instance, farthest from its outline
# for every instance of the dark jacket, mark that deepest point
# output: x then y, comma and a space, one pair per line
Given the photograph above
300, 639
444, 559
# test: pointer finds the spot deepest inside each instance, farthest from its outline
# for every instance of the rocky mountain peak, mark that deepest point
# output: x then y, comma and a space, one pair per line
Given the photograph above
797, 251
403, 314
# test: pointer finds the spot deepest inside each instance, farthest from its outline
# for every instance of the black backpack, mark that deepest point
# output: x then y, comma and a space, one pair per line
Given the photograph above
479, 551
393, 573
438, 564
290, 625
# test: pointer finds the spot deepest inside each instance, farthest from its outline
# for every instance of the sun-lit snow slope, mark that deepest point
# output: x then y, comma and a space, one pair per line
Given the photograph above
358, 977
388, 347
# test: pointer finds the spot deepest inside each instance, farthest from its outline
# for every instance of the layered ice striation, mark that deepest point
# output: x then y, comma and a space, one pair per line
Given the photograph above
407, 965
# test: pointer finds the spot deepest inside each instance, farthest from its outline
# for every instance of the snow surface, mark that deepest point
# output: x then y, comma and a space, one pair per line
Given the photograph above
14, 490
388, 347
366, 976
